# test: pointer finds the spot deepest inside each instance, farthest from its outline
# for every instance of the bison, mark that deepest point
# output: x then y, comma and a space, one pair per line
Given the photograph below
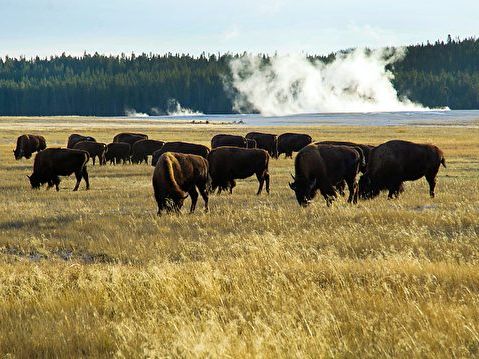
397, 161
251, 143
94, 149
28, 144
228, 140
229, 163
323, 167
175, 176
117, 151
364, 150
180, 147
75, 138
129, 137
292, 142
144, 148
51, 163
265, 141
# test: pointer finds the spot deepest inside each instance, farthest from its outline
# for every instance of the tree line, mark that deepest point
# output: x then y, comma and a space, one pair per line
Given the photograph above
445, 73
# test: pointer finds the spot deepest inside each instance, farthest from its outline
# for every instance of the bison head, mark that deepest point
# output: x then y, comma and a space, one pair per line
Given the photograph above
18, 153
367, 188
304, 190
34, 181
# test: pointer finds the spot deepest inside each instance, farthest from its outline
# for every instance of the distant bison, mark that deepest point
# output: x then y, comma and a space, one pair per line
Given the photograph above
94, 149
292, 142
144, 148
228, 140
181, 147
395, 162
175, 176
129, 137
51, 163
229, 163
323, 167
28, 144
117, 152
265, 141
75, 137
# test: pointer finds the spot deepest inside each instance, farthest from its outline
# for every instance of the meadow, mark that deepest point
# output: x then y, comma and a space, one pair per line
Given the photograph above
98, 273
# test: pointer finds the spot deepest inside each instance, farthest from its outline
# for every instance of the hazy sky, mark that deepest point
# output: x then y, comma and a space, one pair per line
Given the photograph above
46, 27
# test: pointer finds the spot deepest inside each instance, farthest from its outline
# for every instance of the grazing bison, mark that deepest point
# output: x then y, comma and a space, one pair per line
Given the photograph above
265, 141
251, 143
395, 162
175, 176
365, 150
180, 147
54, 162
117, 152
323, 167
292, 142
144, 148
228, 140
75, 138
94, 149
28, 144
129, 137
229, 163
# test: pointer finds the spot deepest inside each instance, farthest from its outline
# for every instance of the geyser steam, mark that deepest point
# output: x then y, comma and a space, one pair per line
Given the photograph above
357, 81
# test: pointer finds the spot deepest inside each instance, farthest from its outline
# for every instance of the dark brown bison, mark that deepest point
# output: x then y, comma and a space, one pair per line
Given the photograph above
129, 137
251, 143
28, 144
94, 149
365, 150
395, 162
181, 147
54, 162
75, 137
228, 140
144, 148
292, 142
229, 163
323, 167
117, 152
175, 176
265, 141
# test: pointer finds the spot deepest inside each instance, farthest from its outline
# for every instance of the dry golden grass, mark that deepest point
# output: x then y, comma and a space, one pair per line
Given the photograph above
97, 273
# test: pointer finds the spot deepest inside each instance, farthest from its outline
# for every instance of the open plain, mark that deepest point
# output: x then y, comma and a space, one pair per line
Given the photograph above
97, 273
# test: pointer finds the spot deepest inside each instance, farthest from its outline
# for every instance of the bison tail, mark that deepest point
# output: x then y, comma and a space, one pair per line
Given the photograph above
170, 177
443, 161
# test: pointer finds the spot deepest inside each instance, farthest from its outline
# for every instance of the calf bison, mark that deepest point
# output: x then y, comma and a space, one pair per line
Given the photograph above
229, 163
75, 138
180, 147
265, 141
94, 149
51, 163
395, 162
228, 140
28, 144
292, 142
175, 176
323, 167
129, 137
117, 152
144, 148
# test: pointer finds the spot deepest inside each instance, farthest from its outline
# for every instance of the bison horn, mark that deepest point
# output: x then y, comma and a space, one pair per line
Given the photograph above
294, 179
292, 186
28, 176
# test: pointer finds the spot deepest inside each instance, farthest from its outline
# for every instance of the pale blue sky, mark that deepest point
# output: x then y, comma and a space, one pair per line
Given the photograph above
45, 27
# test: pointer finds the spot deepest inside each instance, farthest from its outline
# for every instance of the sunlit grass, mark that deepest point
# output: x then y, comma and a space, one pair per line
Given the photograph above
98, 273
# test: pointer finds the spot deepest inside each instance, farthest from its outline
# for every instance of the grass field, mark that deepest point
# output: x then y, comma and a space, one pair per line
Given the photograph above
97, 273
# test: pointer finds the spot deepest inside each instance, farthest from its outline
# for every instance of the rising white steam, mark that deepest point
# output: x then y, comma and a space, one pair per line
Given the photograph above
175, 109
357, 81
131, 112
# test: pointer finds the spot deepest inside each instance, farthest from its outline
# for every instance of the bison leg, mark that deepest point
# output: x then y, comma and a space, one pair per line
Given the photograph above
194, 198
85, 177
353, 191
340, 187
266, 176
93, 159
394, 190
261, 179
431, 179
204, 195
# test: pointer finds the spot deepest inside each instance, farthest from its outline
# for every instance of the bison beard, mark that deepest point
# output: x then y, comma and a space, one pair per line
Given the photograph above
175, 176
395, 162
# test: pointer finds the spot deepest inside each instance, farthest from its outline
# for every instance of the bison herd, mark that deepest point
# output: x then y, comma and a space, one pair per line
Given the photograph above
183, 169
